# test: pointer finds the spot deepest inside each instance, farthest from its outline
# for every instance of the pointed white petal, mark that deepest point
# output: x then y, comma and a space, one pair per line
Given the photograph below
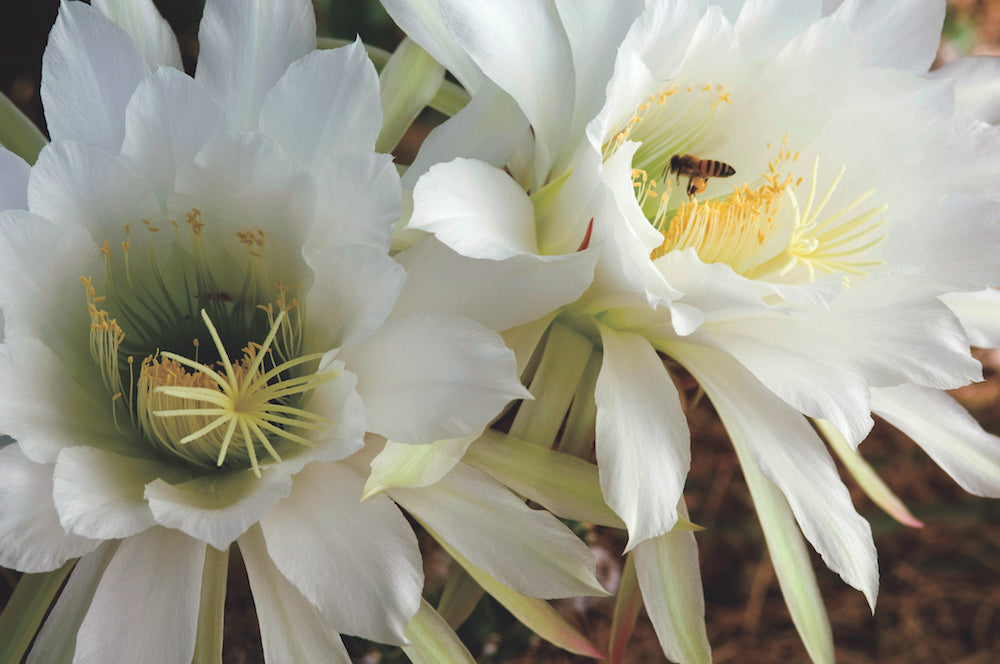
14, 173
476, 209
895, 34
357, 562
463, 135
412, 466
980, 315
643, 443
498, 294
89, 70
355, 288
150, 33
670, 578
146, 606
421, 20
946, 432
977, 85
31, 537
56, 641
168, 120
358, 201
792, 456
522, 46
291, 628
217, 508
47, 412
245, 48
99, 494
528, 550
327, 102
427, 377
73, 183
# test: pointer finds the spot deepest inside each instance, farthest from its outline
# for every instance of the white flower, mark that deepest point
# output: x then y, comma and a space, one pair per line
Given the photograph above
201, 324
807, 285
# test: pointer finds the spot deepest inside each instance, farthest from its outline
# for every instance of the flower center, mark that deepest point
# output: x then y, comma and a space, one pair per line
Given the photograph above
208, 411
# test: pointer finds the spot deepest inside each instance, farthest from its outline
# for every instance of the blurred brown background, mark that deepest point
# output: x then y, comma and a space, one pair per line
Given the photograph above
940, 589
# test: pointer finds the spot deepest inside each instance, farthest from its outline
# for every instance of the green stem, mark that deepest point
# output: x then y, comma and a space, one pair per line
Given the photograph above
450, 98
211, 609
578, 436
19, 134
26, 609
560, 369
460, 596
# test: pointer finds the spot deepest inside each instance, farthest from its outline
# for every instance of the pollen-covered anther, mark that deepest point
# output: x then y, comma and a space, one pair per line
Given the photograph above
221, 417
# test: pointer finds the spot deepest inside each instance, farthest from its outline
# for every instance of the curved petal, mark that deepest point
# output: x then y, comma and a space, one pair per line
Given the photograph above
358, 563
56, 641
31, 537
476, 209
99, 494
791, 455
149, 32
528, 550
14, 173
980, 315
358, 201
643, 443
291, 629
427, 377
89, 70
414, 466
946, 432
498, 294
355, 288
217, 508
895, 34
977, 85
522, 46
45, 410
328, 102
168, 120
245, 49
146, 605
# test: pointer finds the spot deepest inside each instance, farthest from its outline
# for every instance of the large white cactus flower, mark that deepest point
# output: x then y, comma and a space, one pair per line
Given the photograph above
198, 325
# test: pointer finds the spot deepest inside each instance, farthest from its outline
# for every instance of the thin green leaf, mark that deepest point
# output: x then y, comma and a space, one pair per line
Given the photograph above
628, 603
19, 134
460, 596
432, 641
26, 609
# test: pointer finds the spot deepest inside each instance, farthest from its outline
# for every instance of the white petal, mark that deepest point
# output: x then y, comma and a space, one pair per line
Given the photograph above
167, 122
791, 455
56, 641
99, 494
358, 201
217, 508
498, 294
89, 70
765, 26
45, 410
31, 537
14, 173
643, 443
291, 628
977, 85
476, 209
421, 20
146, 606
327, 102
462, 135
946, 432
245, 49
980, 315
670, 580
895, 34
528, 550
523, 48
414, 465
150, 33
73, 183
427, 377
355, 288
357, 562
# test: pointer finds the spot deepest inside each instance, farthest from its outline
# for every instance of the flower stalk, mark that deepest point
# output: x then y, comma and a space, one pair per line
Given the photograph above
26, 609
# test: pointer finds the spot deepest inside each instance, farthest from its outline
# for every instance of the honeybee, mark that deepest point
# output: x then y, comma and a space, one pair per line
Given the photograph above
698, 171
